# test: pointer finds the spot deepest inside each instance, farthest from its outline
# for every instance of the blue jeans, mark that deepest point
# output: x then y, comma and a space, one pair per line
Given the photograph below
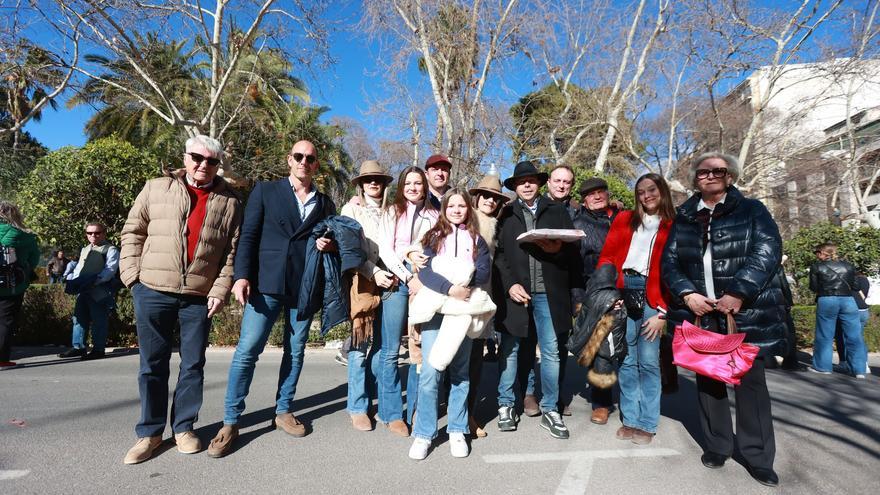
157, 313
510, 348
828, 310
395, 312
640, 371
89, 314
260, 313
363, 370
429, 384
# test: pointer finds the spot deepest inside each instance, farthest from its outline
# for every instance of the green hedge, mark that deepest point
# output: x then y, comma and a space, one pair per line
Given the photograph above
47, 313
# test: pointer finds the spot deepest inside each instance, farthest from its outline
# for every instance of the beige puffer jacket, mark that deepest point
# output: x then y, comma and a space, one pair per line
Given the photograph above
154, 239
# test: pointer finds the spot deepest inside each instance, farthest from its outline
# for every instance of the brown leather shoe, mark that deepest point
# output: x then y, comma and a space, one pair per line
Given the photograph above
600, 415
399, 428
624, 433
476, 430
531, 407
187, 442
640, 437
361, 422
290, 425
142, 450
221, 445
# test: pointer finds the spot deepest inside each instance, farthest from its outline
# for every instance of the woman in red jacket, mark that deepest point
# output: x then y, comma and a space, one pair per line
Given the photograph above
634, 246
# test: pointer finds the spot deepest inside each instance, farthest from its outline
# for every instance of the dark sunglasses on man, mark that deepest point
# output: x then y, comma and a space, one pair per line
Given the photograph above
298, 157
213, 162
718, 173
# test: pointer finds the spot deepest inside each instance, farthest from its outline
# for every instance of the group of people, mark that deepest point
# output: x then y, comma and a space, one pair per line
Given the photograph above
446, 268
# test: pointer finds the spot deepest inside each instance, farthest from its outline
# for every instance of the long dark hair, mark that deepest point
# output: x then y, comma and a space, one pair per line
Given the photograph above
665, 209
437, 234
399, 204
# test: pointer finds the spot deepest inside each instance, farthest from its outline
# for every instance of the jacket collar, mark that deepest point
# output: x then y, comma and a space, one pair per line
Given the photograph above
689, 207
218, 185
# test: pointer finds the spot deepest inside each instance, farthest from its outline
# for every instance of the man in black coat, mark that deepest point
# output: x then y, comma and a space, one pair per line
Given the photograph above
594, 218
535, 286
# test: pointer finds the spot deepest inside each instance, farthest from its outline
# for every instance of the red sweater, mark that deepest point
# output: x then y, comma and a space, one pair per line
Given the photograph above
616, 249
198, 209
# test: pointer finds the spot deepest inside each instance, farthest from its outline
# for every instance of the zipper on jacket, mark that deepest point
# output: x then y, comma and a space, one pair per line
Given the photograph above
183, 236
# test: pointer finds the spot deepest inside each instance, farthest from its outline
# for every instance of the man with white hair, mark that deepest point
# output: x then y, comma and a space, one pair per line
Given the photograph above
178, 247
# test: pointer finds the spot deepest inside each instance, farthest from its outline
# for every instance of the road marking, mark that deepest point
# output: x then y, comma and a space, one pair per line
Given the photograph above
11, 474
580, 463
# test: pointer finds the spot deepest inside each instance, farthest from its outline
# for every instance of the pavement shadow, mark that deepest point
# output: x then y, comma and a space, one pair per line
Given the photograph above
682, 406
55, 360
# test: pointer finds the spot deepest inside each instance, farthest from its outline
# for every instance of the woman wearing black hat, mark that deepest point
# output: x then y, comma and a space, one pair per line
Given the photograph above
534, 293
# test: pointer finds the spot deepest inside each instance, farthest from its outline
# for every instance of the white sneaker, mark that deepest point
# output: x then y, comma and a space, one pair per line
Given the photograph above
419, 449
860, 376
457, 445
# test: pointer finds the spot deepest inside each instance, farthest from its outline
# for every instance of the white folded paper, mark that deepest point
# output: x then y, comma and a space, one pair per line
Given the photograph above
564, 235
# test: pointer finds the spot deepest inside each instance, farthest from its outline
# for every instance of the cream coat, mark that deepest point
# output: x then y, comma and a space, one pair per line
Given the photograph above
154, 239
370, 224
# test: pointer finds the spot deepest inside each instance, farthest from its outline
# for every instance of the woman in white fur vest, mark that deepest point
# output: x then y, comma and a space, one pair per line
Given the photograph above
452, 309
488, 200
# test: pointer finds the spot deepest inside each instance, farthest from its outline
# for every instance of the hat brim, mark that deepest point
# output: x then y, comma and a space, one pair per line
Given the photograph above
479, 190
510, 182
388, 179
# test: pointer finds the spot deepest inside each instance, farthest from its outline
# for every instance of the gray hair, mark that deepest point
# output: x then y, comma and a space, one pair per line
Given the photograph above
209, 144
733, 166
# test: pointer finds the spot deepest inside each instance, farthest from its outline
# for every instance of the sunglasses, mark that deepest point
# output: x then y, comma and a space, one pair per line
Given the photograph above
94, 232
373, 180
213, 162
718, 173
298, 157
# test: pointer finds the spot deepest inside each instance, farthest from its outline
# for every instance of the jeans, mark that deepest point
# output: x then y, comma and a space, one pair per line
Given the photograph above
510, 348
56, 278
429, 384
157, 314
864, 315
639, 375
363, 369
395, 312
89, 314
260, 314
828, 310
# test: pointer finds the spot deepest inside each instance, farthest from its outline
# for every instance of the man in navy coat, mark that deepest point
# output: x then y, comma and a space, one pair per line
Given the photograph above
278, 220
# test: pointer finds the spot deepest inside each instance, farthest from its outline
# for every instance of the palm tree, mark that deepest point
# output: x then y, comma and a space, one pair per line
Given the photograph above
28, 75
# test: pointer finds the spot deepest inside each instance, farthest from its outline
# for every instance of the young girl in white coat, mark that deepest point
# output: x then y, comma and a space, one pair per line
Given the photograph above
458, 263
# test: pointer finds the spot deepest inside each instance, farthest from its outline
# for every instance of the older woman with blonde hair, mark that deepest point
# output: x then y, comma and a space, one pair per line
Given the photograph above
723, 258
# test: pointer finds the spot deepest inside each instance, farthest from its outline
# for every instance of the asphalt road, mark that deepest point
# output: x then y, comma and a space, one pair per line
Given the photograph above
66, 425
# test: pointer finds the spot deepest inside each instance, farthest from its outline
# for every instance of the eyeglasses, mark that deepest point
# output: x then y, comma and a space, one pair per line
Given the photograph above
95, 232
718, 173
298, 157
213, 162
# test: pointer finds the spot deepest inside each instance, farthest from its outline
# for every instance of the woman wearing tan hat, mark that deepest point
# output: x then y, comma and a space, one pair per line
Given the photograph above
372, 185
488, 200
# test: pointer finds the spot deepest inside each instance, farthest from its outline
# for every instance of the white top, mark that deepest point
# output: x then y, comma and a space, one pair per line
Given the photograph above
709, 278
639, 255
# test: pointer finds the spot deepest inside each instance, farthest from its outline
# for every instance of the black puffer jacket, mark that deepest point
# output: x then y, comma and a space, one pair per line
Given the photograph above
596, 225
746, 254
599, 336
832, 278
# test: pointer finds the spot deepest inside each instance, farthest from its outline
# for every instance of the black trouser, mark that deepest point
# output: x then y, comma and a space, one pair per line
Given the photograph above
10, 306
475, 372
526, 364
754, 421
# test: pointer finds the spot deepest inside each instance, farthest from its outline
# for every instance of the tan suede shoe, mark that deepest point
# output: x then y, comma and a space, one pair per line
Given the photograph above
142, 450
290, 425
187, 442
361, 422
399, 428
600, 415
221, 445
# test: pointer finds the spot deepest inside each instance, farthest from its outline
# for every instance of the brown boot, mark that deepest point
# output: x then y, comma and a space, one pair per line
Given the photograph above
290, 425
530, 406
142, 450
624, 433
600, 415
399, 428
476, 430
361, 422
221, 445
641, 437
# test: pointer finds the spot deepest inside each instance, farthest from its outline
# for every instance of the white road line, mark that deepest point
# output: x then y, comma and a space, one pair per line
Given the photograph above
580, 463
11, 474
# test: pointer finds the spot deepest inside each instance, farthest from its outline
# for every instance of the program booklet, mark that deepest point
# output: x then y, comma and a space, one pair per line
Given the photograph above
564, 235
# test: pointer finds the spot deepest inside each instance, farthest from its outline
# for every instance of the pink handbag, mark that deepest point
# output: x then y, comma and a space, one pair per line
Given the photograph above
722, 357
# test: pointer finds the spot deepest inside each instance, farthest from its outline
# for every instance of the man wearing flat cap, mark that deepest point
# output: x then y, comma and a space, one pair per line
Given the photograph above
536, 281
594, 217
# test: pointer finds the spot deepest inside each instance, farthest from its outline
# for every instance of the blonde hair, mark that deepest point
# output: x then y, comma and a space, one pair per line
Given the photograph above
10, 214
